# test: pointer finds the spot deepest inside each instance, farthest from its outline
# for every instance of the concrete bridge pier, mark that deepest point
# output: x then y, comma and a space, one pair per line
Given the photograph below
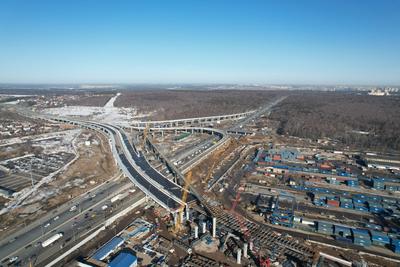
187, 213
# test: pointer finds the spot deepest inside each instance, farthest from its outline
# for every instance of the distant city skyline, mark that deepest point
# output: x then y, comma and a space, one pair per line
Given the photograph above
170, 42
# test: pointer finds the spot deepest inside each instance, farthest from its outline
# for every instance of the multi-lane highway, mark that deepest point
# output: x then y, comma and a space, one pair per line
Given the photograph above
136, 168
261, 111
87, 212
80, 215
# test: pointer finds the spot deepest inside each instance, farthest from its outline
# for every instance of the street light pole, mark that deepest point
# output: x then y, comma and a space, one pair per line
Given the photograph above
31, 172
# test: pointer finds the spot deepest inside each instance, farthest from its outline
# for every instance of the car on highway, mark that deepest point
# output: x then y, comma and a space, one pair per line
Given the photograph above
104, 207
46, 225
73, 208
56, 218
13, 259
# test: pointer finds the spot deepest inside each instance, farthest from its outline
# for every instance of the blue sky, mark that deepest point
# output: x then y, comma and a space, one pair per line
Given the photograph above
216, 41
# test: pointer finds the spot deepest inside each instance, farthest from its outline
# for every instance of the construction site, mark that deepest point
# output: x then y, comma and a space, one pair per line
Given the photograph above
223, 190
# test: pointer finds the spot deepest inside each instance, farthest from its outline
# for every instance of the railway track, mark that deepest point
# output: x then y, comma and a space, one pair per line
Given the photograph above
264, 237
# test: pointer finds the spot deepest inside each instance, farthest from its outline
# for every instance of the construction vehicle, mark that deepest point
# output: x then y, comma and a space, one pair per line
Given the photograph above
188, 180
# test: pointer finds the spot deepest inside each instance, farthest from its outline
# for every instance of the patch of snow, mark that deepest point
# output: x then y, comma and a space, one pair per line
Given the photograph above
109, 114
110, 103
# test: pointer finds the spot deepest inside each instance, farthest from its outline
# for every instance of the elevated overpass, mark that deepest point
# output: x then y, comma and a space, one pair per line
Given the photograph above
163, 191
194, 162
191, 121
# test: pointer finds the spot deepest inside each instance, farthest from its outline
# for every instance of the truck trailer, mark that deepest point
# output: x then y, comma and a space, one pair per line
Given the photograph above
52, 239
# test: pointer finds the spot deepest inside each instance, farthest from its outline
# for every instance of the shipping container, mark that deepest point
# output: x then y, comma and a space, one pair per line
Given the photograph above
342, 231
345, 200
380, 238
358, 200
332, 203
362, 242
343, 239
360, 233
373, 226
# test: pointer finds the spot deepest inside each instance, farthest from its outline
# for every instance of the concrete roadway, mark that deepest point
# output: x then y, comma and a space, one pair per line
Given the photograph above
24, 241
188, 155
191, 149
240, 125
76, 229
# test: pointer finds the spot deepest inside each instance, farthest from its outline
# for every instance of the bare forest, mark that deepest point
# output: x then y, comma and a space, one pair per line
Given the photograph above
176, 104
358, 121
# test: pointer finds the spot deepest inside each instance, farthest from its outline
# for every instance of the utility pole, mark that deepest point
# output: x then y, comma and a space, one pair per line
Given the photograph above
31, 173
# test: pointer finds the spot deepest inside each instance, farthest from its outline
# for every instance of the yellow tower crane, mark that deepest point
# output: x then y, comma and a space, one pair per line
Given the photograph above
188, 181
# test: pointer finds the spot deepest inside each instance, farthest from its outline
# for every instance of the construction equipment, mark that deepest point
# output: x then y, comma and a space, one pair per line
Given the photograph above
188, 180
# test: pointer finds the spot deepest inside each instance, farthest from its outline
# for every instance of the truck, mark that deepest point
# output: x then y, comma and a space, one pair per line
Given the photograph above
52, 239
119, 197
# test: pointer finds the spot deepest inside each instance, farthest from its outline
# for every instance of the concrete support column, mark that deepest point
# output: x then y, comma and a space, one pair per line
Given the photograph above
239, 256
203, 227
187, 213
214, 227
245, 245
196, 232
181, 216
175, 218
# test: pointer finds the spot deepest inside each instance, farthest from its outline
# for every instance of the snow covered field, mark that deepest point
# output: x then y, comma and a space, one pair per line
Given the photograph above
107, 114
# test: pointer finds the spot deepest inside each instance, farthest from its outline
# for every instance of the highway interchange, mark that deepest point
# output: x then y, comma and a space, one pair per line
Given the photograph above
26, 244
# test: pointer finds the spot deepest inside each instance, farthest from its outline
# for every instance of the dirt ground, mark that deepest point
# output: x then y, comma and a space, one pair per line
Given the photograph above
94, 166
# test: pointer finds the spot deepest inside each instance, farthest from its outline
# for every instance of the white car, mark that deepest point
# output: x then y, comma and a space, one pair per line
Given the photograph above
73, 208
46, 225
13, 259
56, 218
104, 207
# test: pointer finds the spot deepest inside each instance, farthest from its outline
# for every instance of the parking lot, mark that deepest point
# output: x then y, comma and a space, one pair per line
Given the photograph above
23, 171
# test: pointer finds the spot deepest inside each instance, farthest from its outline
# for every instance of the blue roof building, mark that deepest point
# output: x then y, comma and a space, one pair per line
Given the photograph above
108, 248
124, 259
